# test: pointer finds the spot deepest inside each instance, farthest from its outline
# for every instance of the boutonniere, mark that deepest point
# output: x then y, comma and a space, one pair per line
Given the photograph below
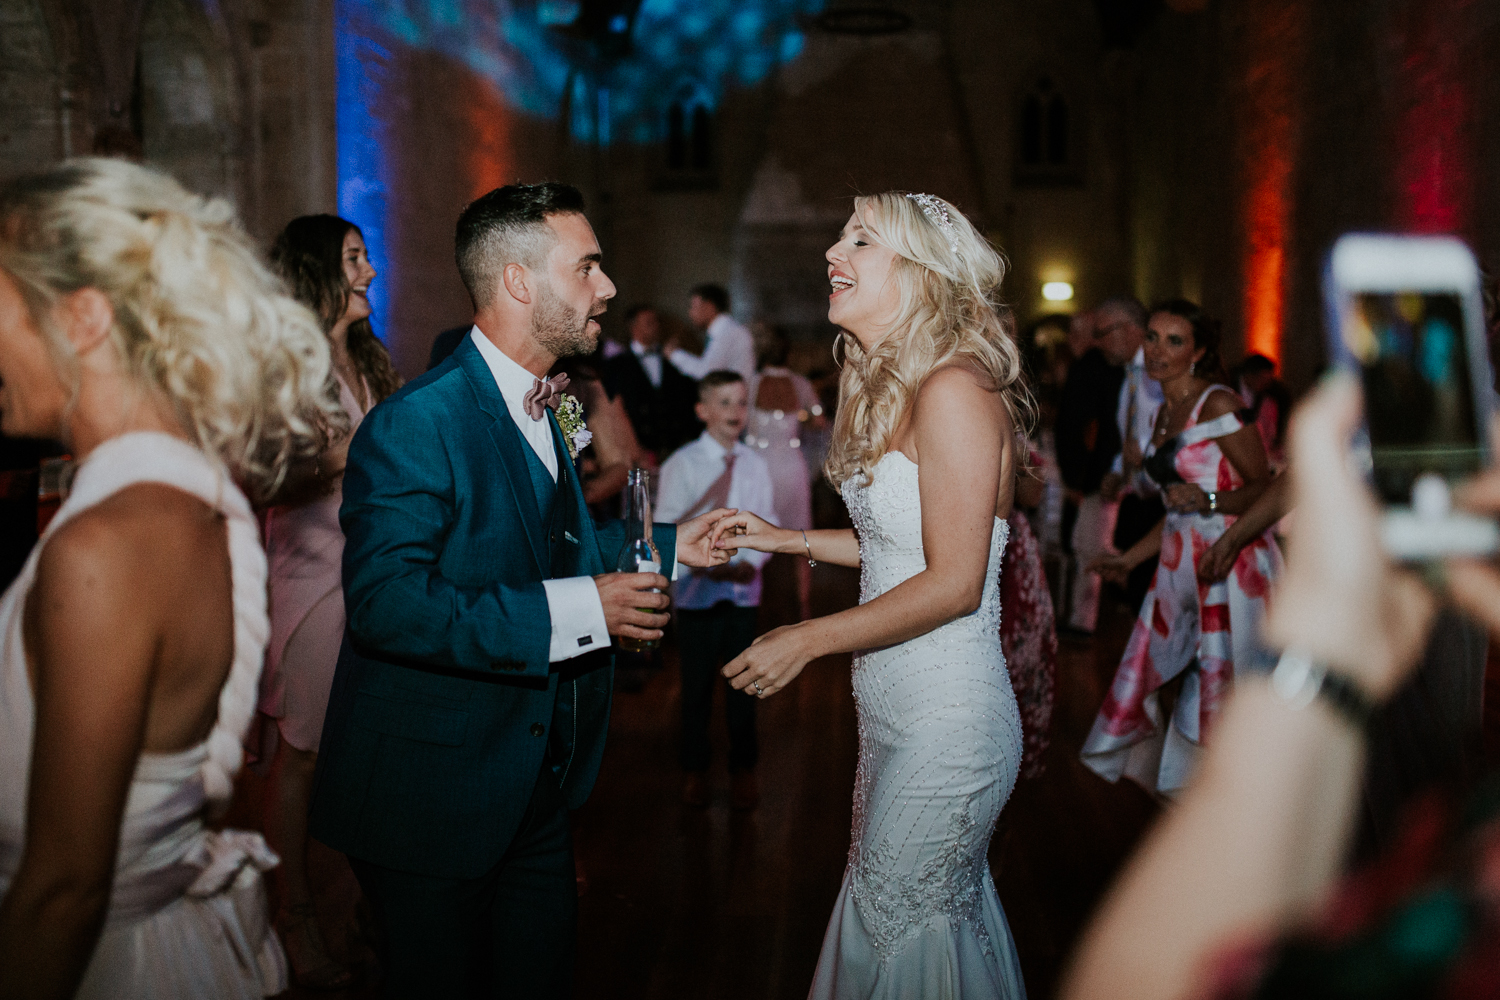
575, 432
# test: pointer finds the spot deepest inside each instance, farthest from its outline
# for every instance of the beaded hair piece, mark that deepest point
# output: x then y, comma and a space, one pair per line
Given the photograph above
935, 210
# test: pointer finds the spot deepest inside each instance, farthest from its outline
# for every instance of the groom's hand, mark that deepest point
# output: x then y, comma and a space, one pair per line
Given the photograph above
633, 604
695, 540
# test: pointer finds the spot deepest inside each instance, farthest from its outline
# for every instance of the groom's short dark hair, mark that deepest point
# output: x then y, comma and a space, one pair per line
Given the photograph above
508, 226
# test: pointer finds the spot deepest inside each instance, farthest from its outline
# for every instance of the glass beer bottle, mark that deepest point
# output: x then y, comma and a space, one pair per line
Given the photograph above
639, 554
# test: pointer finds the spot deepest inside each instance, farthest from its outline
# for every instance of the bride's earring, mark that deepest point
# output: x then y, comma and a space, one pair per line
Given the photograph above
1192, 368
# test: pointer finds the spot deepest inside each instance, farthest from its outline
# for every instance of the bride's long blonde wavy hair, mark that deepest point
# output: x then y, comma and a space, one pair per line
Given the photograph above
949, 283
198, 316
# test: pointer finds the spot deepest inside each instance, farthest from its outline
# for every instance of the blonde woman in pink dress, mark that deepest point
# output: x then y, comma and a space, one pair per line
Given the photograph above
323, 258
138, 326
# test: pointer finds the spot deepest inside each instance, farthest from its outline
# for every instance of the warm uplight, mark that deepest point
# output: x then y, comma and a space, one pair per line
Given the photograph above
1057, 291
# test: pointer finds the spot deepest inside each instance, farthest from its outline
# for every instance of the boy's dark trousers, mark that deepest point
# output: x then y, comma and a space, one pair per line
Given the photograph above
709, 639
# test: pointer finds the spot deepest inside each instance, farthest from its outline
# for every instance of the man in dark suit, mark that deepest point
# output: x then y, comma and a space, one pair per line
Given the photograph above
658, 397
471, 697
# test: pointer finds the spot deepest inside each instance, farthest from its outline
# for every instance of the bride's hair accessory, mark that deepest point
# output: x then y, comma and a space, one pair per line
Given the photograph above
934, 209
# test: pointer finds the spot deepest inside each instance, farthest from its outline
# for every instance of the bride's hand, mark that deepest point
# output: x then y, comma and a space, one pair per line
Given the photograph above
745, 530
771, 662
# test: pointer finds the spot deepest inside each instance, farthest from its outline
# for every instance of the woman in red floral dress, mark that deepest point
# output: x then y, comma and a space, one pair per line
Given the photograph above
1211, 466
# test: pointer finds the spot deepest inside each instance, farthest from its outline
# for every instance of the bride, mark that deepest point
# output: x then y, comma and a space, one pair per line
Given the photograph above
923, 447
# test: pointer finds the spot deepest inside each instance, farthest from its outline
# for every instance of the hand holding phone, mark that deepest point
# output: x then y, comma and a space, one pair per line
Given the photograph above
1405, 316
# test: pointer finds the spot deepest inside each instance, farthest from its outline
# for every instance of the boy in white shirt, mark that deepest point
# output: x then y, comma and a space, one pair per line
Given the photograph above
717, 609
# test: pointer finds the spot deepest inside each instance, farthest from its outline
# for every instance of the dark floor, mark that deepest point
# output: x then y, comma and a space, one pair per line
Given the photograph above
710, 903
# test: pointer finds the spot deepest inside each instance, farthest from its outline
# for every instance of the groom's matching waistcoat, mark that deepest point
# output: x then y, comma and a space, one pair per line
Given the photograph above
444, 706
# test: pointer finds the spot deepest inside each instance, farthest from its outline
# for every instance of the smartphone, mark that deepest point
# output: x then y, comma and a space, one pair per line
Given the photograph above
1405, 315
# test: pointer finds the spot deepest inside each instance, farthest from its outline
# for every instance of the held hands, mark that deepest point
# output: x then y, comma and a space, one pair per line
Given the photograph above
696, 538
772, 661
632, 607
1111, 486
749, 531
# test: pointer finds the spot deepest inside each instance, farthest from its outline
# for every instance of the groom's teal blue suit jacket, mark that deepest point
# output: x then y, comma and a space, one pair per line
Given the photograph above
444, 705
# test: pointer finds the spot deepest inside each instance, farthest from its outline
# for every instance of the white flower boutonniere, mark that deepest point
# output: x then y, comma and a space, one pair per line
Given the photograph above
575, 432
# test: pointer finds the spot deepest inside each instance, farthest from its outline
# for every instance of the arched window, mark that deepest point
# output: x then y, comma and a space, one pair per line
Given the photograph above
1045, 151
690, 159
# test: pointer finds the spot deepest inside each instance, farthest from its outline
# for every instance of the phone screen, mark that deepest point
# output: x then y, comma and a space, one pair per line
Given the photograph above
1419, 397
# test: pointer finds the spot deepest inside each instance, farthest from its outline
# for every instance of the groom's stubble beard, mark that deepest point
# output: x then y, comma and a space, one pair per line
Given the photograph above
562, 330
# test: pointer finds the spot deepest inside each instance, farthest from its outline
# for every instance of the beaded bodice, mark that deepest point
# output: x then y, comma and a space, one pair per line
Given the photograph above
887, 515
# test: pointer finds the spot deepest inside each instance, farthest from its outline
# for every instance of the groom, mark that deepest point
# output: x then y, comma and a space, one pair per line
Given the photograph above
471, 698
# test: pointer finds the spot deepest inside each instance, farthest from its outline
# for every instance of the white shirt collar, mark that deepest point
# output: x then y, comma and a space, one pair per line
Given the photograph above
709, 444
513, 380
641, 350
1139, 361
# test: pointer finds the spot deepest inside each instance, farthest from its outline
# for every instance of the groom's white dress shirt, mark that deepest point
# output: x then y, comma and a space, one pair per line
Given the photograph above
729, 347
572, 602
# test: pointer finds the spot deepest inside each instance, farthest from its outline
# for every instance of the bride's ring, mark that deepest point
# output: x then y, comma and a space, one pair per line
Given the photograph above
758, 691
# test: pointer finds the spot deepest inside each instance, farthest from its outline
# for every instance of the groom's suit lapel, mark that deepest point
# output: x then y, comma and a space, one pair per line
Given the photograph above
508, 442
572, 494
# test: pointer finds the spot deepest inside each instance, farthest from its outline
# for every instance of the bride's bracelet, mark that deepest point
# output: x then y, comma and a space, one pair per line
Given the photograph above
810, 560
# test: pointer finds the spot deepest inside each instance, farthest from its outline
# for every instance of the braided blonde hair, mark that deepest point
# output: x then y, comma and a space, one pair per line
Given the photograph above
198, 317
949, 278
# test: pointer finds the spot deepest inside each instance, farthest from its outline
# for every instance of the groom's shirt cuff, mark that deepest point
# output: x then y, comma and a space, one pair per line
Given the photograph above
577, 617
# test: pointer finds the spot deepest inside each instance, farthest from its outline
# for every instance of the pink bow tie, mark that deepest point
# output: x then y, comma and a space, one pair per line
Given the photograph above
546, 392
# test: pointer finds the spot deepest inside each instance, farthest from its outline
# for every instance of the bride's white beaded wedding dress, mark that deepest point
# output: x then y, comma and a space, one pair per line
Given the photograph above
939, 751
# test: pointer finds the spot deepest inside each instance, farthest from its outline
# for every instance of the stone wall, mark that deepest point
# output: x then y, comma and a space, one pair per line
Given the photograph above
1214, 149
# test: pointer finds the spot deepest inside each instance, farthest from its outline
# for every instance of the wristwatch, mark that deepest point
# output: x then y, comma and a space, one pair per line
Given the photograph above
1299, 680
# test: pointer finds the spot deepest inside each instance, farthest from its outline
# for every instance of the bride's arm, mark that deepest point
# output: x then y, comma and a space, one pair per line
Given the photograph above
964, 439
839, 546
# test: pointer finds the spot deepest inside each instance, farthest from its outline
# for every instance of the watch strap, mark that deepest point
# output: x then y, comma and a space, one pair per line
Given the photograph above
1299, 680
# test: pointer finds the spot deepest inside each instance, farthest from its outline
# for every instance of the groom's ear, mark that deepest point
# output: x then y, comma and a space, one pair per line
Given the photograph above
517, 283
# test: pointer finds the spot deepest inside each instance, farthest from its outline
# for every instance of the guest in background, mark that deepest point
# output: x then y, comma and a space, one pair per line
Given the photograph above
783, 406
139, 327
1120, 333
324, 261
658, 398
1238, 893
716, 608
1269, 402
1087, 439
1211, 467
728, 345
1028, 629
607, 460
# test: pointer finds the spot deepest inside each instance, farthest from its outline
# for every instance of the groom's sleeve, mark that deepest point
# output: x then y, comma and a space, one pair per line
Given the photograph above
577, 613
398, 509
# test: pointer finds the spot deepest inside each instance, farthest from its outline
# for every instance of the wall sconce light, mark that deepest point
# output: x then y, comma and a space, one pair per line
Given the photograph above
1057, 291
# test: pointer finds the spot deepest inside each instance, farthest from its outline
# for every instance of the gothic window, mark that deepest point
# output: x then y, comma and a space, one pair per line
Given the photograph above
689, 143
1045, 151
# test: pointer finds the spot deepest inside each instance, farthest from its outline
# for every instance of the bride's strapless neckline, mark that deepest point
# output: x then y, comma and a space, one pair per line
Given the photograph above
913, 465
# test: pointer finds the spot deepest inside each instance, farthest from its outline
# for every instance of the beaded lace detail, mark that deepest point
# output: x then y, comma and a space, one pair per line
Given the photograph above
940, 738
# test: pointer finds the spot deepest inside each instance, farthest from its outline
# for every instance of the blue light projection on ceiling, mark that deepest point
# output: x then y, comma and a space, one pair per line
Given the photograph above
709, 44
616, 86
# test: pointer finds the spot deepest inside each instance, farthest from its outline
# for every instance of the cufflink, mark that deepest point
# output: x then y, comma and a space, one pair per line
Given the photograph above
587, 640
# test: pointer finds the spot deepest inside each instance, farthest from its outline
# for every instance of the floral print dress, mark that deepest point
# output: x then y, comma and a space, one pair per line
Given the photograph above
1186, 627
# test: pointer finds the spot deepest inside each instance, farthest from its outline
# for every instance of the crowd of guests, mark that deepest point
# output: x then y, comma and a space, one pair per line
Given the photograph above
142, 321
